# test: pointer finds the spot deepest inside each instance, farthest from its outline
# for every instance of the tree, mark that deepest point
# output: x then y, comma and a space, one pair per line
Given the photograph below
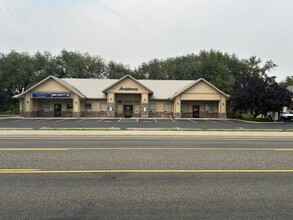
258, 94
2, 97
77, 65
288, 81
117, 70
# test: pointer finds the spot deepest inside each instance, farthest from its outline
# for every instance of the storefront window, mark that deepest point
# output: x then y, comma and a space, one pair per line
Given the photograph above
103, 107
44, 106
88, 106
152, 107
208, 108
69, 106
119, 109
167, 107
184, 107
136, 109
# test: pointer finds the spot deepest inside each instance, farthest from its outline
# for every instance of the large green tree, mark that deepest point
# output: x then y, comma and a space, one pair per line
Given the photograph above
258, 94
77, 65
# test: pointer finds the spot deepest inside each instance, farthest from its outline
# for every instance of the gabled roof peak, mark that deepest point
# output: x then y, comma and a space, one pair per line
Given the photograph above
62, 82
124, 77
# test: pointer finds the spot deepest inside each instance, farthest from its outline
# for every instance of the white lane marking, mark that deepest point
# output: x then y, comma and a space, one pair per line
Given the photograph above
80, 120
137, 120
119, 120
60, 120
100, 120
210, 121
38, 121
173, 120
155, 120
192, 121
229, 121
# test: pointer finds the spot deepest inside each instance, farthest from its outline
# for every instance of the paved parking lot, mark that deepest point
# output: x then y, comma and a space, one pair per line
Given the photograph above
123, 123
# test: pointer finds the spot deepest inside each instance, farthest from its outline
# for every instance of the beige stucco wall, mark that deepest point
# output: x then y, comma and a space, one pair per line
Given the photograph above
127, 82
204, 94
50, 86
33, 104
201, 87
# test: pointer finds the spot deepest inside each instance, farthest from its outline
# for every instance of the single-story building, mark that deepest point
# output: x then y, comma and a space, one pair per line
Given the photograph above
125, 97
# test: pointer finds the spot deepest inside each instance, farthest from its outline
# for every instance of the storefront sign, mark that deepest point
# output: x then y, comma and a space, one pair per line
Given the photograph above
41, 95
60, 95
50, 95
128, 89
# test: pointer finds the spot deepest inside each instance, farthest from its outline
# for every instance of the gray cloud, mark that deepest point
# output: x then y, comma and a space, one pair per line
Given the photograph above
135, 31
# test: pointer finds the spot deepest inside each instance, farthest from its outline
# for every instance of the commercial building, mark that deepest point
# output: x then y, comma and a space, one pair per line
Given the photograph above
125, 97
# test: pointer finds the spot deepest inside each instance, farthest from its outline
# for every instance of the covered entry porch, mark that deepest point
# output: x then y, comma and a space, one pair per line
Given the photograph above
200, 109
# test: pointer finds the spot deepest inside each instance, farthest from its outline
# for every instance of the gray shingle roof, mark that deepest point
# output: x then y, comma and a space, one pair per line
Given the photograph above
92, 88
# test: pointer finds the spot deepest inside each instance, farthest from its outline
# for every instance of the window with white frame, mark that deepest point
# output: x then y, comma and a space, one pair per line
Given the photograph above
167, 107
103, 107
152, 107
184, 107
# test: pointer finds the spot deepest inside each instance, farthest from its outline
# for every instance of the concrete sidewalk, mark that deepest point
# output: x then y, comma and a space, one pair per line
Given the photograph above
144, 133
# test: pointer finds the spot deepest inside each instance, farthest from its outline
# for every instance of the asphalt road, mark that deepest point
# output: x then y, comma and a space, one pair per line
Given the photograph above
123, 123
146, 178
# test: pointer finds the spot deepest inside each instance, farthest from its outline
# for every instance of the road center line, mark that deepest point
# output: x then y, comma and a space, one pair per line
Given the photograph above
38, 171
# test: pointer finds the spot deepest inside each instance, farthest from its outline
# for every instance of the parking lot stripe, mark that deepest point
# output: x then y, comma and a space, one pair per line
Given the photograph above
60, 120
80, 120
192, 121
173, 120
119, 120
210, 121
38, 121
155, 120
100, 120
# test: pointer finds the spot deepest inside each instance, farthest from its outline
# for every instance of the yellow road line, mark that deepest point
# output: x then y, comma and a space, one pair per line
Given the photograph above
33, 149
37, 171
146, 148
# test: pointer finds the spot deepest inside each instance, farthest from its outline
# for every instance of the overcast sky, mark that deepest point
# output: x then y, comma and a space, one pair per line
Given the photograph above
136, 31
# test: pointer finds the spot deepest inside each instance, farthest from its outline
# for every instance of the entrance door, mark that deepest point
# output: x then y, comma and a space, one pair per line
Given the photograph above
128, 110
195, 111
57, 110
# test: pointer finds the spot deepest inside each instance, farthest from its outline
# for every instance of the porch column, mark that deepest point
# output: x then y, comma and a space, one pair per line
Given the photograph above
28, 106
76, 107
144, 106
177, 107
222, 108
111, 105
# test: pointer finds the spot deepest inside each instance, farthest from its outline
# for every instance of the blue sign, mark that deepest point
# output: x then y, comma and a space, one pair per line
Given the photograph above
50, 95
60, 95
41, 95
